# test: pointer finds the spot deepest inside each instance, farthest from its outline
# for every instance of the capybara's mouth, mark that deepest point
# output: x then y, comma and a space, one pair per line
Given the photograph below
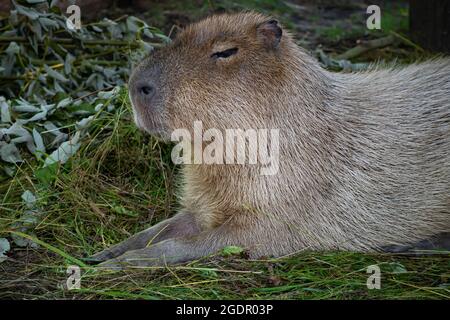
151, 125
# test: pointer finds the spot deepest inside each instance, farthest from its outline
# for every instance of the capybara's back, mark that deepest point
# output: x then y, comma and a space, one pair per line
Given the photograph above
395, 130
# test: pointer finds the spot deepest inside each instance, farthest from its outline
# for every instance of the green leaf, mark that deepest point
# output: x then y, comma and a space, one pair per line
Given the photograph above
9, 152
23, 242
4, 248
24, 106
232, 250
13, 48
47, 174
36, 27
48, 24
55, 74
97, 29
29, 12
398, 267
29, 199
39, 142
68, 63
122, 210
65, 151
83, 123
5, 115
133, 24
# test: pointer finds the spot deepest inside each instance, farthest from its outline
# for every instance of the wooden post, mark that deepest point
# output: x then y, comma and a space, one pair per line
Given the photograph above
429, 24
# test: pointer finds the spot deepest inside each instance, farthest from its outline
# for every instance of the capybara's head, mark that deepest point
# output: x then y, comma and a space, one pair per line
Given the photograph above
226, 71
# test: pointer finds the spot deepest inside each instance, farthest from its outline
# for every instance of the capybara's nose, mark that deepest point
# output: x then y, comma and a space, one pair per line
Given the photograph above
144, 85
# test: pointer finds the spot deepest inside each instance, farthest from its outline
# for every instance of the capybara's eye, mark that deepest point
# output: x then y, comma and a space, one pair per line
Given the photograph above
224, 54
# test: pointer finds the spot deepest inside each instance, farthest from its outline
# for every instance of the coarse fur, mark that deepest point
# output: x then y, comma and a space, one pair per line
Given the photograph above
364, 157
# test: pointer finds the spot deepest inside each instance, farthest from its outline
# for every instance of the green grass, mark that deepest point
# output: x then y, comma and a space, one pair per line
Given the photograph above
121, 182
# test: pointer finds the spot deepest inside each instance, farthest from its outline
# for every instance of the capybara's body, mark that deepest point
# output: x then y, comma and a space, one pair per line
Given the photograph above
364, 158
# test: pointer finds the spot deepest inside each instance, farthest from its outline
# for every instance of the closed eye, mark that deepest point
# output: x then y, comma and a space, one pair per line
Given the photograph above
224, 54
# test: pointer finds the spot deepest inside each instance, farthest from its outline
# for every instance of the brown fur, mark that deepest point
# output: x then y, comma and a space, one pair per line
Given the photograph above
364, 157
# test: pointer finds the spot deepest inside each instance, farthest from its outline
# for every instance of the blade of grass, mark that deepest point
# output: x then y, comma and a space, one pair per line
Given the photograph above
51, 248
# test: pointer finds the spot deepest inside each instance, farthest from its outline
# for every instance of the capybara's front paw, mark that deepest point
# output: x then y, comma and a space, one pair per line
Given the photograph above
170, 251
99, 257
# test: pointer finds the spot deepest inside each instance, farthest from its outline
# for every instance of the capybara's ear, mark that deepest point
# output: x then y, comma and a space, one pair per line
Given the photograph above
270, 33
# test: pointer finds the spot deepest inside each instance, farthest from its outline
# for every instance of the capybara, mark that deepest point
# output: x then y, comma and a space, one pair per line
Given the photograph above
364, 157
